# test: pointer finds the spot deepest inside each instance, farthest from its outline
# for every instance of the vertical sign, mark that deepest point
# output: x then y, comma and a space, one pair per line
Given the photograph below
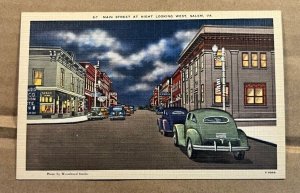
33, 101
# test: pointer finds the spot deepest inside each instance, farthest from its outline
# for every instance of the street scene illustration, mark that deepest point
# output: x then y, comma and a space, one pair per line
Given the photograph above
151, 94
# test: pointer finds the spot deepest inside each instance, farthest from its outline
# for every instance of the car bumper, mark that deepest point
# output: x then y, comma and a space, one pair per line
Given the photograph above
117, 118
214, 147
95, 117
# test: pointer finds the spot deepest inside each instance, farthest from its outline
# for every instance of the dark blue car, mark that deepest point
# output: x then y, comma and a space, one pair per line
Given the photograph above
171, 116
117, 113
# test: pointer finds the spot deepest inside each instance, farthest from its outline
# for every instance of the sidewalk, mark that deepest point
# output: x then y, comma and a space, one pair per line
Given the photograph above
263, 133
55, 121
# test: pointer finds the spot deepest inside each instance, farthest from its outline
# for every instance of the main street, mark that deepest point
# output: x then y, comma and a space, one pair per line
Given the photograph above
134, 143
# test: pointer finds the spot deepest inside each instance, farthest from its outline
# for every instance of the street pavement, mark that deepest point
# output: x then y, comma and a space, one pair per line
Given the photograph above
134, 143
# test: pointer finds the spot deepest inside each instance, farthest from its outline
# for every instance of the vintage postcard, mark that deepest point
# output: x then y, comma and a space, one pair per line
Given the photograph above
151, 95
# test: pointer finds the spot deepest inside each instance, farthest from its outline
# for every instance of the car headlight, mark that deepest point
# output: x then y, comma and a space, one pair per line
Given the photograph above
113, 113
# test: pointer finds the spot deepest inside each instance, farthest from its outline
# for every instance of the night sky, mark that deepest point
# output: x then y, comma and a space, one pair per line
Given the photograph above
136, 55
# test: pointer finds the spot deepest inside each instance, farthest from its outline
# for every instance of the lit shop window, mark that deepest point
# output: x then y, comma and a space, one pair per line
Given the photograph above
218, 63
47, 108
218, 94
255, 94
38, 77
254, 60
245, 59
263, 60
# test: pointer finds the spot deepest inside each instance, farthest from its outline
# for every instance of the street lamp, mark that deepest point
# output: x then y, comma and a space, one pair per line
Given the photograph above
222, 59
95, 83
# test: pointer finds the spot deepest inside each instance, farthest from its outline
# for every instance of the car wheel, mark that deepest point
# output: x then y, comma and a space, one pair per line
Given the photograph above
175, 138
239, 155
191, 153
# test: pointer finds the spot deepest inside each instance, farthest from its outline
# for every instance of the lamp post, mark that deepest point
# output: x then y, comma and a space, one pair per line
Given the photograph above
95, 84
222, 59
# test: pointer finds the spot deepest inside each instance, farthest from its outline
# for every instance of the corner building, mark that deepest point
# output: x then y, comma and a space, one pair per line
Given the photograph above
250, 73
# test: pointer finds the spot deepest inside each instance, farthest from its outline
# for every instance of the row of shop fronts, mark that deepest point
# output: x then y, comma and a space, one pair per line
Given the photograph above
59, 87
249, 69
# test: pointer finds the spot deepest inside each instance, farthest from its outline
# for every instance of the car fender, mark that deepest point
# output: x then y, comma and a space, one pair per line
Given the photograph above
165, 125
159, 123
243, 137
194, 136
179, 128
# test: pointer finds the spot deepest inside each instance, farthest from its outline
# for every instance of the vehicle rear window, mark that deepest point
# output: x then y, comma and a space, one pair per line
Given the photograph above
178, 113
215, 120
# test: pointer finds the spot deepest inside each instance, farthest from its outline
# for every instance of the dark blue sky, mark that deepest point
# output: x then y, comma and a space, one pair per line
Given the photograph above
137, 55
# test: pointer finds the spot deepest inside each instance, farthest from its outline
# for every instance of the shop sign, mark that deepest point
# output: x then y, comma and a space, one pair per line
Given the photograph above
33, 101
165, 94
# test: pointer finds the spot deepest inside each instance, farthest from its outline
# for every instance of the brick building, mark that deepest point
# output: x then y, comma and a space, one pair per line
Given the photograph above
250, 73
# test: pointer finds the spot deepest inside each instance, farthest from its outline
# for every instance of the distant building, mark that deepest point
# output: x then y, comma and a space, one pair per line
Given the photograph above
90, 85
55, 84
250, 73
105, 88
176, 88
165, 92
113, 98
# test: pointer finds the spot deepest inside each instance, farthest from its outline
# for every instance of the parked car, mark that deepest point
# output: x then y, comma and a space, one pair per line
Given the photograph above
95, 113
127, 110
105, 112
131, 109
171, 116
210, 130
117, 113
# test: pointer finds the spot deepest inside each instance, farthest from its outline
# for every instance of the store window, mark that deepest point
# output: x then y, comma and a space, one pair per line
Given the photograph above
218, 94
245, 58
254, 60
191, 69
255, 94
187, 74
263, 60
202, 63
38, 77
196, 66
183, 75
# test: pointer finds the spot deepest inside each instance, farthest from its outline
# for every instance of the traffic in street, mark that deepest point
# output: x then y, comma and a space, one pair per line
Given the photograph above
133, 143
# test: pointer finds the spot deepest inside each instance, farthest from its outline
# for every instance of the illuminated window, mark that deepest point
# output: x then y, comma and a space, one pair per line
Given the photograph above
254, 60
218, 94
263, 60
255, 94
196, 66
187, 74
191, 69
38, 77
202, 62
245, 57
218, 63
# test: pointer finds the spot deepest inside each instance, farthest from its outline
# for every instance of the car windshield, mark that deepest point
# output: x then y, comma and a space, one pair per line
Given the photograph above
117, 109
215, 120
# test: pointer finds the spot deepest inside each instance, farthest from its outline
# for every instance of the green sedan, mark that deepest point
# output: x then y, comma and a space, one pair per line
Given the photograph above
210, 130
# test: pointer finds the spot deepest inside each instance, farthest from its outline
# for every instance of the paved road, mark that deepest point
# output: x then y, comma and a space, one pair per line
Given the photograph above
131, 144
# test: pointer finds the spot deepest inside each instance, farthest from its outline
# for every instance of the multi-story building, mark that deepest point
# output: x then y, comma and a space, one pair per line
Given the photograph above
55, 84
176, 88
249, 68
105, 88
89, 92
113, 98
165, 92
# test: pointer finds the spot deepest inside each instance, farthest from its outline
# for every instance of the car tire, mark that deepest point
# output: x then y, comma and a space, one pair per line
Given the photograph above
239, 155
175, 138
190, 152
164, 122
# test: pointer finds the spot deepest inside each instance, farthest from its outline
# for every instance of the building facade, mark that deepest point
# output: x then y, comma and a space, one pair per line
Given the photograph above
55, 84
176, 88
89, 91
249, 69
105, 89
165, 92
113, 98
